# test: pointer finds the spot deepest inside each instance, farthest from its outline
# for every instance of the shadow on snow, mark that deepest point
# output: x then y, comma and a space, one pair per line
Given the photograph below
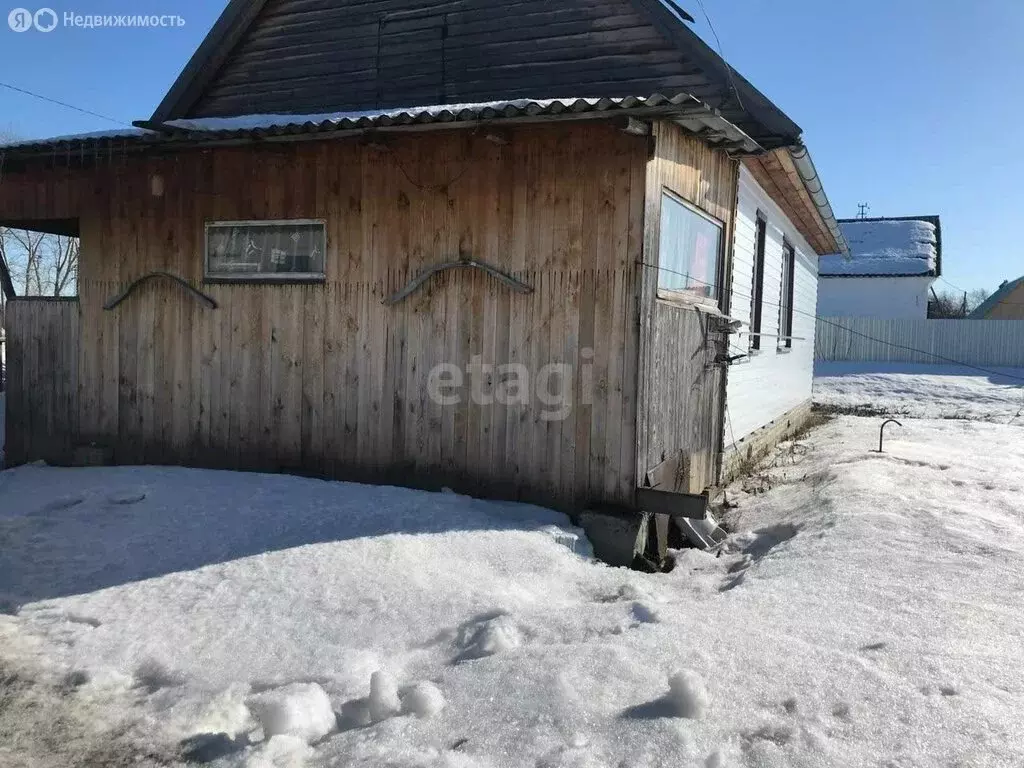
74, 531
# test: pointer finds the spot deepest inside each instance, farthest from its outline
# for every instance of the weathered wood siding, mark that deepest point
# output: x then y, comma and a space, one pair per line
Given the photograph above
324, 378
42, 379
314, 56
682, 388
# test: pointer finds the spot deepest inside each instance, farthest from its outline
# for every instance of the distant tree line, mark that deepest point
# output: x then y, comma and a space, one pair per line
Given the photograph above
955, 305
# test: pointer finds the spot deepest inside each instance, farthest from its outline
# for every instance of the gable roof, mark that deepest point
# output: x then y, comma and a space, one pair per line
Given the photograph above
997, 298
906, 246
257, 33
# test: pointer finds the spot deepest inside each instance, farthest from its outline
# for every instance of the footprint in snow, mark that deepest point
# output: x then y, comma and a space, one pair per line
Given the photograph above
842, 711
57, 505
126, 497
152, 676
625, 592
644, 614
77, 618
875, 646
779, 735
491, 636
944, 690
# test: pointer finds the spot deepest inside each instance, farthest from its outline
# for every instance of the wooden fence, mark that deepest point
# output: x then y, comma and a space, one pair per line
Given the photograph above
976, 342
42, 379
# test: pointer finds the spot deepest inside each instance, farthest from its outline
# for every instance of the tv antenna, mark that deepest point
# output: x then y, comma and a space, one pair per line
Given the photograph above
863, 210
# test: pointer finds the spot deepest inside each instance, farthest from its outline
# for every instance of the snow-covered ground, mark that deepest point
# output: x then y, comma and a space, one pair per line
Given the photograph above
923, 391
866, 613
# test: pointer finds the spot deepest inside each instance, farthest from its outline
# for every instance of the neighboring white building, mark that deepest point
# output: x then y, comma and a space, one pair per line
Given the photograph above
892, 265
774, 370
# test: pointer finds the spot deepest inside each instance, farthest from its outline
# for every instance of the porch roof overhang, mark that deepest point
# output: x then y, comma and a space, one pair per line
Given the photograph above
65, 227
788, 175
689, 112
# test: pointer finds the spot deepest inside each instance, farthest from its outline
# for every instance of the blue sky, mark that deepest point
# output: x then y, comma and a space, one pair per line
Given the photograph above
910, 105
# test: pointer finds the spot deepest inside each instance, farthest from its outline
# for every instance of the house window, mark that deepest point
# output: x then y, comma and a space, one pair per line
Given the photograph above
278, 251
757, 289
691, 247
786, 304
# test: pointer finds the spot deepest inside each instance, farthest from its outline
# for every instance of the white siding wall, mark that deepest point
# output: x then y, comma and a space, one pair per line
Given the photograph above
771, 382
902, 298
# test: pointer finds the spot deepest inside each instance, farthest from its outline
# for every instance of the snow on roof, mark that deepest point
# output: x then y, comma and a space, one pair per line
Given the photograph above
254, 122
886, 247
251, 122
117, 133
689, 111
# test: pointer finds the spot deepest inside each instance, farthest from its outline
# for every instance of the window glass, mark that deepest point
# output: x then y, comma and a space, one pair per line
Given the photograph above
691, 246
786, 308
271, 250
757, 289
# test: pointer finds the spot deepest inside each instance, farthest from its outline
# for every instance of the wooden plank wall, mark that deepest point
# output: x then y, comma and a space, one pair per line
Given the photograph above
679, 423
42, 379
366, 54
324, 378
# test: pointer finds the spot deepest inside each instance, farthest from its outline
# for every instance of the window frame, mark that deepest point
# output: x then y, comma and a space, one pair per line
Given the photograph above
757, 282
684, 296
788, 285
272, 278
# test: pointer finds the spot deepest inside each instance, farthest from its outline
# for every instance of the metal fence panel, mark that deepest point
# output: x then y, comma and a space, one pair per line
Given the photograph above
868, 339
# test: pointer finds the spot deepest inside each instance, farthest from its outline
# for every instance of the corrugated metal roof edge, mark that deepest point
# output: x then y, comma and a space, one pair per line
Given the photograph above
693, 114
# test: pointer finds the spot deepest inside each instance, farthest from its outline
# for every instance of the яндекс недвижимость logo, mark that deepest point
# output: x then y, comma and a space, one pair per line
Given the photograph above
47, 20
22, 20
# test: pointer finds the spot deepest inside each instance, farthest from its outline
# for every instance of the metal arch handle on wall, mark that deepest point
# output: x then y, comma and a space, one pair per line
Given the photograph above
196, 294
515, 285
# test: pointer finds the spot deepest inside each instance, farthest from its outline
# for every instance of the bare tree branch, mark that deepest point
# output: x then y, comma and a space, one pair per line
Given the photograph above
41, 264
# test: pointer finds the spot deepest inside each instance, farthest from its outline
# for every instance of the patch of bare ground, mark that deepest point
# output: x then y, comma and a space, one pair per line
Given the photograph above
50, 723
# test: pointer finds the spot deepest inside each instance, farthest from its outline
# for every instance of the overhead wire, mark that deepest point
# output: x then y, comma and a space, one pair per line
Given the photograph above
721, 54
961, 290
644, 264
826, 321
59, 103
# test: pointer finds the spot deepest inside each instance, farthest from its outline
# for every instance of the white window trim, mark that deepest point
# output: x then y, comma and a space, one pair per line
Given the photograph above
685, 297
261, 277
784, 343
